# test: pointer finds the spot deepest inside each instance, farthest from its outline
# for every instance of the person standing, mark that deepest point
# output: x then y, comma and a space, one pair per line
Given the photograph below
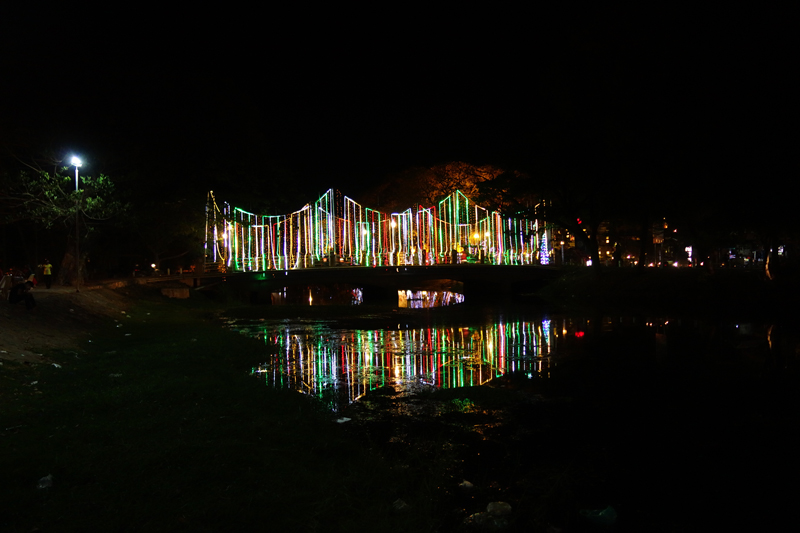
47, 273
6, 282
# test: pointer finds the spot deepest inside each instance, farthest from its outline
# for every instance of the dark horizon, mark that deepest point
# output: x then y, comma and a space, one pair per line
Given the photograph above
233, 105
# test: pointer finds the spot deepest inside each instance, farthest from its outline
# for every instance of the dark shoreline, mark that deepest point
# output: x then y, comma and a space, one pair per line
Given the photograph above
167, 418
691, 292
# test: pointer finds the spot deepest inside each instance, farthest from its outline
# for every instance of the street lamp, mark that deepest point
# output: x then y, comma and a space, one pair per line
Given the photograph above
77, 163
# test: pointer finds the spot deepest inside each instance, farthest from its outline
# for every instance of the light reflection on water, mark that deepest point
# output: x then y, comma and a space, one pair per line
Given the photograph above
340, 365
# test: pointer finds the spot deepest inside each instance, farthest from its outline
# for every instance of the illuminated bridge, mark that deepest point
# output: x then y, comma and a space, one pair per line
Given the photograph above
337, 230
455, 245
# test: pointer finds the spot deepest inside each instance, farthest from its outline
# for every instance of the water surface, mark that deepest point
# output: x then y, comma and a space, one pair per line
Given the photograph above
338, 363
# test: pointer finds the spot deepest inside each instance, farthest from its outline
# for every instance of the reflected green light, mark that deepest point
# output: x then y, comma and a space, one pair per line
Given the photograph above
341, 366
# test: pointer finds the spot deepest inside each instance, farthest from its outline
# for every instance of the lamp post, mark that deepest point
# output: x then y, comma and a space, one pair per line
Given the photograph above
77, 162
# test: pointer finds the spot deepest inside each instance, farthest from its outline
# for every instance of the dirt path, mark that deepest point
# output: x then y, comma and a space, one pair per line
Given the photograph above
61, 318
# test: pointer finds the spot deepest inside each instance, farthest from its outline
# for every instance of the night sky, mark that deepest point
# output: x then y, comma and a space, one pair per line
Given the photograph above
322, 100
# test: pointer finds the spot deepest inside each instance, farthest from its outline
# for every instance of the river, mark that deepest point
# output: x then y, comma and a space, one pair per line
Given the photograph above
338, 362
675, 422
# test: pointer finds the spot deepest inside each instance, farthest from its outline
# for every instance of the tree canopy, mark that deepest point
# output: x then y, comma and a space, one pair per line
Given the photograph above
49, 199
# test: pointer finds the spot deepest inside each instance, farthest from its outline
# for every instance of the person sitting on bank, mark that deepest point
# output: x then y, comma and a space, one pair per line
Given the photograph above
20, 292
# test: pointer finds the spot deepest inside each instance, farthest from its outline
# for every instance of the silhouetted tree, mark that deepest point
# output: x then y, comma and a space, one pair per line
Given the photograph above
428, 185
49, 199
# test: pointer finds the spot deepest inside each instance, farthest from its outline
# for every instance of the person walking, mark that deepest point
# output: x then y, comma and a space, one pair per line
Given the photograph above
47, 273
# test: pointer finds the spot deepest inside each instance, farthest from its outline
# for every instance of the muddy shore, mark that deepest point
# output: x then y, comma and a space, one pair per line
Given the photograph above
672, 447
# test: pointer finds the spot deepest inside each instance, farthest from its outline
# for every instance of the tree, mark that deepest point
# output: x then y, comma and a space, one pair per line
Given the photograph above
459, 176
428, 185
168, 230
510, 193
49, 199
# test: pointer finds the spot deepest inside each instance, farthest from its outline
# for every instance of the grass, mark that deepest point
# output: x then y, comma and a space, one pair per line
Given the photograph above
157, 426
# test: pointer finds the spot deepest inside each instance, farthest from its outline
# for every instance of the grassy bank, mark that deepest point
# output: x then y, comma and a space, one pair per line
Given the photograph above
156, 425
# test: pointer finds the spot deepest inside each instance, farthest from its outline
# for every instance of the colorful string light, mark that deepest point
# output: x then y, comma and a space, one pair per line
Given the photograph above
337, 228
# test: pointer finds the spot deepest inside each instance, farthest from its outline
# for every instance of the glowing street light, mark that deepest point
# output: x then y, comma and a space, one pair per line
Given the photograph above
77, 163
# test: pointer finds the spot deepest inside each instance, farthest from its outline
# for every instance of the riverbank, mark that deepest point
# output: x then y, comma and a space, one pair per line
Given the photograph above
687, 291
150, 421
